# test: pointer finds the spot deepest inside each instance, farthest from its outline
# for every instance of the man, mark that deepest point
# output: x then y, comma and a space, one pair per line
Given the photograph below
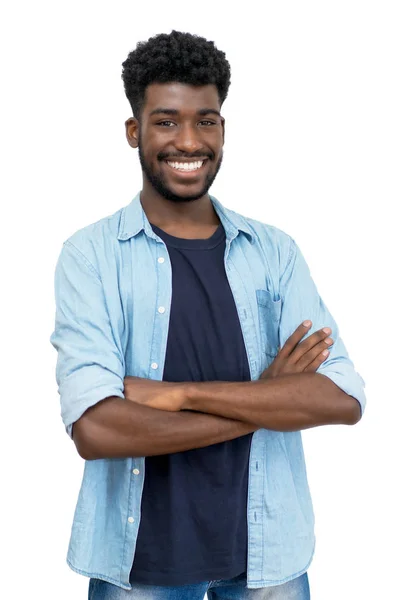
198, 319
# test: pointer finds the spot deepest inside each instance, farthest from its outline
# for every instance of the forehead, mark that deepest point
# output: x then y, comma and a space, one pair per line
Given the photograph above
181, 97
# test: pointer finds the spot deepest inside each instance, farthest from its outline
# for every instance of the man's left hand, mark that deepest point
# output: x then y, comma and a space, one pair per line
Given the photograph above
163, 395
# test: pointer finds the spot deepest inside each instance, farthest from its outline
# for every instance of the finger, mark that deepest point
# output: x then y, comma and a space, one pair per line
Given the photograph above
317, 362
310, 342
295, 338
314, 352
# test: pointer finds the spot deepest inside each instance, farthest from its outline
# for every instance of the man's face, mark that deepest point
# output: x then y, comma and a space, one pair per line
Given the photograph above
180, 139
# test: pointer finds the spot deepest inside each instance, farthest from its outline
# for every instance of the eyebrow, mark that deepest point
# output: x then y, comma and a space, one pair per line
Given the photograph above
173, 112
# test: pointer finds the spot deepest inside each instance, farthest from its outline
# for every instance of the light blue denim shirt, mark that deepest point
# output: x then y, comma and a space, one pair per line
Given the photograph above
111, 278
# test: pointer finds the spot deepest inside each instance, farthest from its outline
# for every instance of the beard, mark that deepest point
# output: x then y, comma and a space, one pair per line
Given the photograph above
158, 183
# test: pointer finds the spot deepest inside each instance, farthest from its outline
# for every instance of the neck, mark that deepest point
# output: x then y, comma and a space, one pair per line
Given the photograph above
193, 214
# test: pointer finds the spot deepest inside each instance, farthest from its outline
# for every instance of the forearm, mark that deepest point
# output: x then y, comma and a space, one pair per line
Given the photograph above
286, 403
115, 428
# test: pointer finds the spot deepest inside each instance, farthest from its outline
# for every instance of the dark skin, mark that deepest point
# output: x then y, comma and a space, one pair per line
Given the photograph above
114, 428
182, 124
285, 398
184, 134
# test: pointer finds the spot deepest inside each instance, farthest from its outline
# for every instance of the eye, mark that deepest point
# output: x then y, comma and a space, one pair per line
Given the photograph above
166, 123
208, 123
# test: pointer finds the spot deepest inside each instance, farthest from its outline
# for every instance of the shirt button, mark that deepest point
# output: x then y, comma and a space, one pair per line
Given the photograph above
161, 309
154, 365
136, 471
131, 520
161, 259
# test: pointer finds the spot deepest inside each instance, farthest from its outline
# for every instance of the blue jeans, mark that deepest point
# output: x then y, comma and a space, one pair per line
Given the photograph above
221, 589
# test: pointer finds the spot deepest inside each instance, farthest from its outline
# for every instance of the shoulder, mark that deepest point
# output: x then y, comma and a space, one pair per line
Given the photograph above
99, 232
95, 241
271, 240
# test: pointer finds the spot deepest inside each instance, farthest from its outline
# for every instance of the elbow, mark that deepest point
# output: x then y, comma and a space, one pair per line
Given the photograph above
346, 409
353, 411
87, 431
82, 439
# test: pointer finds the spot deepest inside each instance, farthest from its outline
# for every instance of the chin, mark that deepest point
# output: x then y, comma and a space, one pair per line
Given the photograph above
182, 197
181, 194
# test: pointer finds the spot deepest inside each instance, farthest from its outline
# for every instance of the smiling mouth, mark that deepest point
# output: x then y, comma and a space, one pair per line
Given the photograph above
186, 167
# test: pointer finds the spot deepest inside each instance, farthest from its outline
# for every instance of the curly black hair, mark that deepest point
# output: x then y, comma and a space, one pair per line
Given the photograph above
174, 57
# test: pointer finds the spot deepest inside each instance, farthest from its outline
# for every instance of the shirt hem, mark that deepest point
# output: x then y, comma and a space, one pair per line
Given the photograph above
251, 583
99, 576
254, 583
169, 579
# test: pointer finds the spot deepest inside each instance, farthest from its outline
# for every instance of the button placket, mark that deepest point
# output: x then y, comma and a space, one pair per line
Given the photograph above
161, 309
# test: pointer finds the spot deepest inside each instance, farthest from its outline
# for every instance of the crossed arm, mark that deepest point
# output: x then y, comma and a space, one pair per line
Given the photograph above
159, 417
287, 403
294, 398
163, 418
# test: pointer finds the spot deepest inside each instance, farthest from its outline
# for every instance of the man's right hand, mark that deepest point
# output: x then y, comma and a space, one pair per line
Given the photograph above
299, 357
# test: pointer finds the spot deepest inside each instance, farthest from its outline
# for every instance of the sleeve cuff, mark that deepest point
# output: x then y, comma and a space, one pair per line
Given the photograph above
75, 404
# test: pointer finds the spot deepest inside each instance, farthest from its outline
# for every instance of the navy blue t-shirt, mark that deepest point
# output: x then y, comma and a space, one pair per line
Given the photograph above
193, 524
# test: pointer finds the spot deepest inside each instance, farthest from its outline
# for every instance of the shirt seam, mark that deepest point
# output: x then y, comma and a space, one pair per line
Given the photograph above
176, 573
84, 259
291, 254
195, 249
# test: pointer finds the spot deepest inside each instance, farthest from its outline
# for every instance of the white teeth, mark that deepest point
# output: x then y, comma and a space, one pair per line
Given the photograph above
186, 166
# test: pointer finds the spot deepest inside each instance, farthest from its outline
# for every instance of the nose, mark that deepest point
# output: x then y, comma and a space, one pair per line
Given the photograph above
188, 139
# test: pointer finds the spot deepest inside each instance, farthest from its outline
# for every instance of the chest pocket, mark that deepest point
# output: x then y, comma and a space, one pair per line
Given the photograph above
269, 321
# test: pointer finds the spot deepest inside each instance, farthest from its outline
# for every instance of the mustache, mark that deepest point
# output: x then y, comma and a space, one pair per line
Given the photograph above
165, 155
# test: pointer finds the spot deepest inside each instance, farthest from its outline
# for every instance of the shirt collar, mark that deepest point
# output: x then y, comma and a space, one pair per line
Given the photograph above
134, 220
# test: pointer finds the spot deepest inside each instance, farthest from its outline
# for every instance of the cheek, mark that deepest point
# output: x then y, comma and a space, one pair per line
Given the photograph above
152, 148
217, 144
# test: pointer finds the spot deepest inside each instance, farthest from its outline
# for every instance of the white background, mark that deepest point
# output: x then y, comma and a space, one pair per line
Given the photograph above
313, 146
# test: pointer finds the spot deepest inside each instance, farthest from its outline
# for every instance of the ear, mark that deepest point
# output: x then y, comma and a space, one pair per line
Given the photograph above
223, 130
132, 132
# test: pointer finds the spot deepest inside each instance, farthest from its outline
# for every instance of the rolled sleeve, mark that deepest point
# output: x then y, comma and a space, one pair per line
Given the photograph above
90, 366
301, 301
